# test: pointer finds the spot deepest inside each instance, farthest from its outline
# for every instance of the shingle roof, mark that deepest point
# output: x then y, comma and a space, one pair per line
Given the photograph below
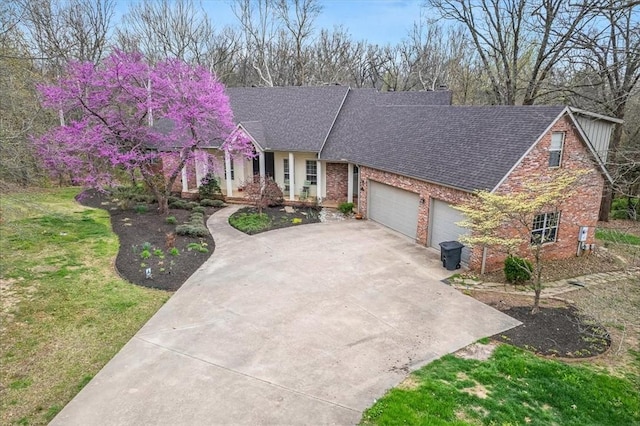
293, 118
464, 147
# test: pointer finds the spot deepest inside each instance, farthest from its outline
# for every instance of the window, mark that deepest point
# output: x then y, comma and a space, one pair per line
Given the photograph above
545, 228
232, 171
555, 150
312, 172
286, 169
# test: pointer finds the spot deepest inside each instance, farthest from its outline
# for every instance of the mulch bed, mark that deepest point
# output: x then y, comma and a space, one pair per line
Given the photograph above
135, 229
281, 219
558, 330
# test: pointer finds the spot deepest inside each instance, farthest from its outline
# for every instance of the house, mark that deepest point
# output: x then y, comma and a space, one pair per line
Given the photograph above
406, 157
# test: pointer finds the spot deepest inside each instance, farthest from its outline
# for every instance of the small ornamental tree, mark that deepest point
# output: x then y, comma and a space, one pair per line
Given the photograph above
505, 221
263, 192
107, 113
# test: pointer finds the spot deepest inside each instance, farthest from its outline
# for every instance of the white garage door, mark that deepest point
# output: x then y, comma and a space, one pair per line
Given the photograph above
394, 207
443, 227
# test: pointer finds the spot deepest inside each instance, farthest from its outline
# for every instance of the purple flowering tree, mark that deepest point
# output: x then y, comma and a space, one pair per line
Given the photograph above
128, 115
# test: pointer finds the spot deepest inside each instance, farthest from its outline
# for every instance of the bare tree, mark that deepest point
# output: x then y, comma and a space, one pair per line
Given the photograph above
259, 29
64, 30
518, 41
297, 17
167, 29
609, 61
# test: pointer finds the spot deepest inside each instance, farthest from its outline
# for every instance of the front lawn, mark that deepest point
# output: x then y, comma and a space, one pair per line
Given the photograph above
64, 311
511, 387
617, 236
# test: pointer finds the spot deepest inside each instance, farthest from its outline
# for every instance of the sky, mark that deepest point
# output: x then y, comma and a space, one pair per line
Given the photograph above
377, 21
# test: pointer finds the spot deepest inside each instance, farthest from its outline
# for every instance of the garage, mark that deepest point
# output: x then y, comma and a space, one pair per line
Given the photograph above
442, 227
394, 207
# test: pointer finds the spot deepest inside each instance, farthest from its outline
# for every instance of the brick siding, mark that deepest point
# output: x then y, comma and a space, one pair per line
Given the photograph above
427, 192
337, 182
579, 210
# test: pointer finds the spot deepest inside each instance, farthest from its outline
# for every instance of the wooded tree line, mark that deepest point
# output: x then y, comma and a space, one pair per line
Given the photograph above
585, 54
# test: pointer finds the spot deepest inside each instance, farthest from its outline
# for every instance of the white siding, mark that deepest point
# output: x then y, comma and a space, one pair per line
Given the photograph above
599, 134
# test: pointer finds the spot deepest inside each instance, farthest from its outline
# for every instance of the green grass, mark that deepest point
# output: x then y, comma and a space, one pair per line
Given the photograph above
249, 223
64, 312
513, 387
616, 236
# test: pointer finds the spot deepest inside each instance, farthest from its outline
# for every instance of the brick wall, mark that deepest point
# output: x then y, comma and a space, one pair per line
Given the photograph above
427, 192
337, 180
579, 210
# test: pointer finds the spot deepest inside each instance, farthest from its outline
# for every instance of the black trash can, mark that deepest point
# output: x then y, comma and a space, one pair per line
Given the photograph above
450, 254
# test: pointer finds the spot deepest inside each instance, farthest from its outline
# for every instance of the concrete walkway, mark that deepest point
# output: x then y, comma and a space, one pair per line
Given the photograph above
304, 325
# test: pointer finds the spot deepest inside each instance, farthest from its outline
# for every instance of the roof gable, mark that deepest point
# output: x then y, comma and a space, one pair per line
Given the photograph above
292, 118
465, 147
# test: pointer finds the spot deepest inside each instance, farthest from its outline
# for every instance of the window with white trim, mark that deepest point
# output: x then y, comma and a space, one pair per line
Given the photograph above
545, 228
555, 150
285, 162
312, 172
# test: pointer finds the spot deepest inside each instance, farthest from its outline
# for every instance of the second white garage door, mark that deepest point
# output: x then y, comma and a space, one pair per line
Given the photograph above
443, 227
394, 207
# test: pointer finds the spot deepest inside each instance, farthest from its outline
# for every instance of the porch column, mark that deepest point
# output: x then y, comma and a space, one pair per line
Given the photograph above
292, 181
319, 178
262, 164
227, 173
198, 171
185, 183
350, 183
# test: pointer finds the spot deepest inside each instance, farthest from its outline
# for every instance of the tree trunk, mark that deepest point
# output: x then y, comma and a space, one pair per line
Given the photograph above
163, 204
605, 203
536, 300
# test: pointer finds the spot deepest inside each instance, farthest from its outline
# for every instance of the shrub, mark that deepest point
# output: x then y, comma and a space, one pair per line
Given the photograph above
191, 205
141, 208
179, 204
199, 247
190, 230
212, 203
346, 208
171, 220
173, 199
517, 270
626, 208
209, 187
198, 209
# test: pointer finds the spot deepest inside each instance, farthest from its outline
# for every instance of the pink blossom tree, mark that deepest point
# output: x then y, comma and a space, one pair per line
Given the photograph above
107, 113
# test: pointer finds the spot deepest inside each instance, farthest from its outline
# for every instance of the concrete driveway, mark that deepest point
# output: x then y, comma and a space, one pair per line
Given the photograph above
303, 325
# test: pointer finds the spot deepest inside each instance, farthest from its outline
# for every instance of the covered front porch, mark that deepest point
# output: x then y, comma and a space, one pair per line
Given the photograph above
301, 176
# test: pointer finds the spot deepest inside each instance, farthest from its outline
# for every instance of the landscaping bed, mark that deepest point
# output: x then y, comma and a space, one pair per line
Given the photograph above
558, 330
172, 260
249, 221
